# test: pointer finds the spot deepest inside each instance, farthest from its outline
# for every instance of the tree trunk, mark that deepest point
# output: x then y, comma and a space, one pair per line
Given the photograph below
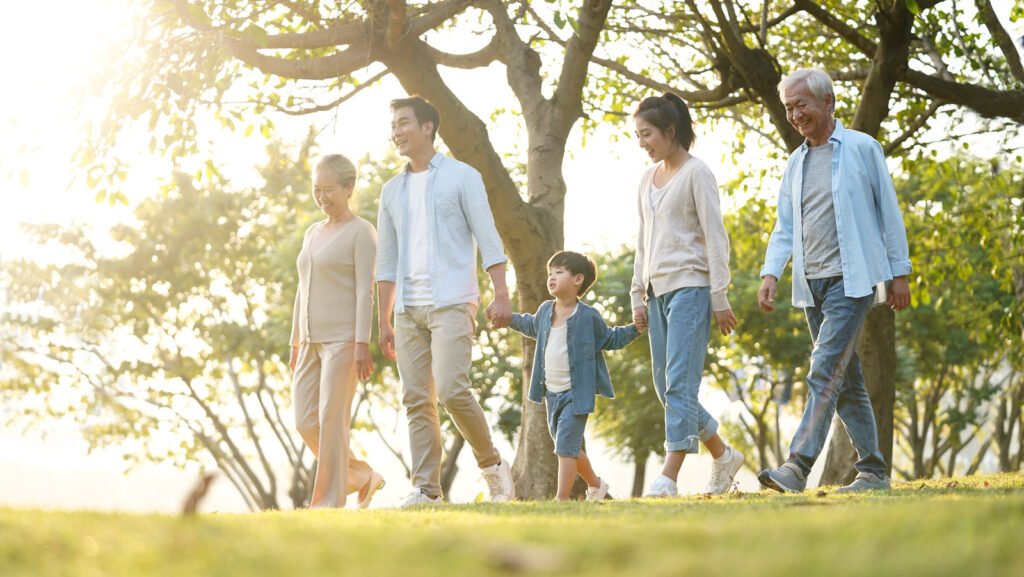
639, 472
450, 465
877, 352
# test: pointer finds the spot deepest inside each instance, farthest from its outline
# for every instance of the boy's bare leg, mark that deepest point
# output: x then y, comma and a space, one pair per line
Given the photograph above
567, 468
586, 471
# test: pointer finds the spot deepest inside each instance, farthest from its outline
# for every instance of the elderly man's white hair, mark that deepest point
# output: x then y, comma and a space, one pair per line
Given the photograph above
818, 82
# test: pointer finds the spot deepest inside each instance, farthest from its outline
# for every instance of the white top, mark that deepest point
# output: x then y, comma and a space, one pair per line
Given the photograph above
417, 279
556, 361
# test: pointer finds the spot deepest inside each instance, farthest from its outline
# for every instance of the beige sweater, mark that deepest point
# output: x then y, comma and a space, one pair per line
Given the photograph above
681, 241
335, 297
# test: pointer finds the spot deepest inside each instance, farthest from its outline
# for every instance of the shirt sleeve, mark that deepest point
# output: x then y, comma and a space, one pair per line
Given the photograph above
365, 250
637, 288
891, 219
709, 214
387, 242
780, 245
481, 221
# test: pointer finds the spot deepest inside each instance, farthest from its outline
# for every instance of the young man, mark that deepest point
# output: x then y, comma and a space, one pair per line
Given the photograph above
839, 219
431, 218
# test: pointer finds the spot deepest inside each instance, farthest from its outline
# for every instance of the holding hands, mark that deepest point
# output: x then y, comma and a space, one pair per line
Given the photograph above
499, 313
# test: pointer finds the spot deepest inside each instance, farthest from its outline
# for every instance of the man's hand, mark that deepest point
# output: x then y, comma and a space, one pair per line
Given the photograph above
726, 321
387, 340
294, 358
640, 318
899, 293
499, 313
364, 362
766, 294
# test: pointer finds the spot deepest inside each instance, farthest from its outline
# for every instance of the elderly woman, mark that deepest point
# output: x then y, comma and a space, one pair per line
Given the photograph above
331, 334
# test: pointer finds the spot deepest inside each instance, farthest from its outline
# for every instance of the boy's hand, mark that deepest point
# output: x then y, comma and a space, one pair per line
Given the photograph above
640, 318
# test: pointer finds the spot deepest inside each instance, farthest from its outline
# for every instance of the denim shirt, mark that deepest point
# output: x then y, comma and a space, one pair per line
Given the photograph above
872, 238
458, 217
587, 335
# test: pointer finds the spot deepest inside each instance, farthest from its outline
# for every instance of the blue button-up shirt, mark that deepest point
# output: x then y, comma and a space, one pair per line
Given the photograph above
587, 335
458, 217
872, 239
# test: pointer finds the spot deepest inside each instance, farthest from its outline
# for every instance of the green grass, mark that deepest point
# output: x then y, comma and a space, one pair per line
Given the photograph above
973, 529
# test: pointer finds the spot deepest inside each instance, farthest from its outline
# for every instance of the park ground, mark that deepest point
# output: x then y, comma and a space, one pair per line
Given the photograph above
970, 527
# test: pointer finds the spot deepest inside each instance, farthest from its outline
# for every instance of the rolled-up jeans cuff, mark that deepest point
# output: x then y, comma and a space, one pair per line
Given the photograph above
687, 445
709, 430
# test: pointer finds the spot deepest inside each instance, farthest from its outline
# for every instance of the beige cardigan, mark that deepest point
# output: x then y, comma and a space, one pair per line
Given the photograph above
682, 241
335, 297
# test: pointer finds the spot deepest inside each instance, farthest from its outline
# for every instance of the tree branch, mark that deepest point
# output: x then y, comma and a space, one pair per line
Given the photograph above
1003, 41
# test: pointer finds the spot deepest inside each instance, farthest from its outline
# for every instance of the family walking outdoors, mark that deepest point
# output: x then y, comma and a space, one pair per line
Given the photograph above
838, 219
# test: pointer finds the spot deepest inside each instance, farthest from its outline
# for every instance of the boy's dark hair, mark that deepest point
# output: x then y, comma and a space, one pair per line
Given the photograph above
576, 263
423, 110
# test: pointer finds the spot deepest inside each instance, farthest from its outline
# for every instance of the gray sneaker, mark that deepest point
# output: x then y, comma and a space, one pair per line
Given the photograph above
866, 482
786, 479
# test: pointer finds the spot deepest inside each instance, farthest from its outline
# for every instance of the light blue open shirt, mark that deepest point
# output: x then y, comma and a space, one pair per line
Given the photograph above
458, 217
872, 238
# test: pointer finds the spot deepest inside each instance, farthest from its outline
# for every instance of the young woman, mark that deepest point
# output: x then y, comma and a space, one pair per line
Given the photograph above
680, 280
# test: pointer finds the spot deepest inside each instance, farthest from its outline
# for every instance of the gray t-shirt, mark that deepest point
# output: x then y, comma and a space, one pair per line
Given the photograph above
821, 240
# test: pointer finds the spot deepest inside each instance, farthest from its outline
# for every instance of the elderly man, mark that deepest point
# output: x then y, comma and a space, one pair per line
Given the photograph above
839, 220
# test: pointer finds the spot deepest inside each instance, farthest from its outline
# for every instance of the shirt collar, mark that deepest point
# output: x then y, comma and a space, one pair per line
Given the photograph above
435, 161
837, 136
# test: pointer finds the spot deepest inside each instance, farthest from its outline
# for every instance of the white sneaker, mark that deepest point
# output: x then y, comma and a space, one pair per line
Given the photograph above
417, 498
599, 492
724, 471
662, 487
499, 482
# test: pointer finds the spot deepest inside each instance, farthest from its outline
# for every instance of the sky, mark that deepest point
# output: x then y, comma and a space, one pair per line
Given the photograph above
50, 48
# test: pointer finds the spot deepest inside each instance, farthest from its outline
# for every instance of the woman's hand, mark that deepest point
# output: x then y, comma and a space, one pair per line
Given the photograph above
364, 362
294, 358
726, 321
640, 318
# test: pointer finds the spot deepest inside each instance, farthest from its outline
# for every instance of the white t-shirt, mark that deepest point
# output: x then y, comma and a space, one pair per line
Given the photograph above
417, 280
556, 359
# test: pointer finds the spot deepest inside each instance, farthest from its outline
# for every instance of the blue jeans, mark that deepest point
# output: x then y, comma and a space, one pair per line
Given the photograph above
835, 383
565, 426
680, 326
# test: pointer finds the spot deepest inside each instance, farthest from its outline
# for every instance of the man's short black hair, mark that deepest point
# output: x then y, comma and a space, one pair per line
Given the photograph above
576, 263
423, 110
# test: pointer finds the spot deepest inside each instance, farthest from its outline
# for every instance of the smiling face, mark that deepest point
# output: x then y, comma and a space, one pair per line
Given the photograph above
563, 284
811, 117
411, 138
330, 196
657, 144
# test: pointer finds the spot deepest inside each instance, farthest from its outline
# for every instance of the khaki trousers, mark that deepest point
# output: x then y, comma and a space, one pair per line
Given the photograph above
323, 387
435, 347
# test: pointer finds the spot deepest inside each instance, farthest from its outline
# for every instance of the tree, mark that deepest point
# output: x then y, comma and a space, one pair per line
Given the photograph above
300, 58
170, 344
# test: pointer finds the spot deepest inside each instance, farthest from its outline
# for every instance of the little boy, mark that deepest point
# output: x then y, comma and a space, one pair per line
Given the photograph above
568, 367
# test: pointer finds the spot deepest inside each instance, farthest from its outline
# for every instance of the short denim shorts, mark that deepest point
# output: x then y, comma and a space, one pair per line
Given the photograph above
566, 427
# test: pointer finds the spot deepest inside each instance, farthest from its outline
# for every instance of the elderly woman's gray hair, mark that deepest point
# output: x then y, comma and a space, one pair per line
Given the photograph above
818, 82
339, 167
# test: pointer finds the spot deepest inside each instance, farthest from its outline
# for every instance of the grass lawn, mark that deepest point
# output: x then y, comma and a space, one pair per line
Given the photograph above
972, 527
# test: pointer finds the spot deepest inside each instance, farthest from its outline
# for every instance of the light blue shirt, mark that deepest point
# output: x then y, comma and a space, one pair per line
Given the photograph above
872, 238
458, 218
